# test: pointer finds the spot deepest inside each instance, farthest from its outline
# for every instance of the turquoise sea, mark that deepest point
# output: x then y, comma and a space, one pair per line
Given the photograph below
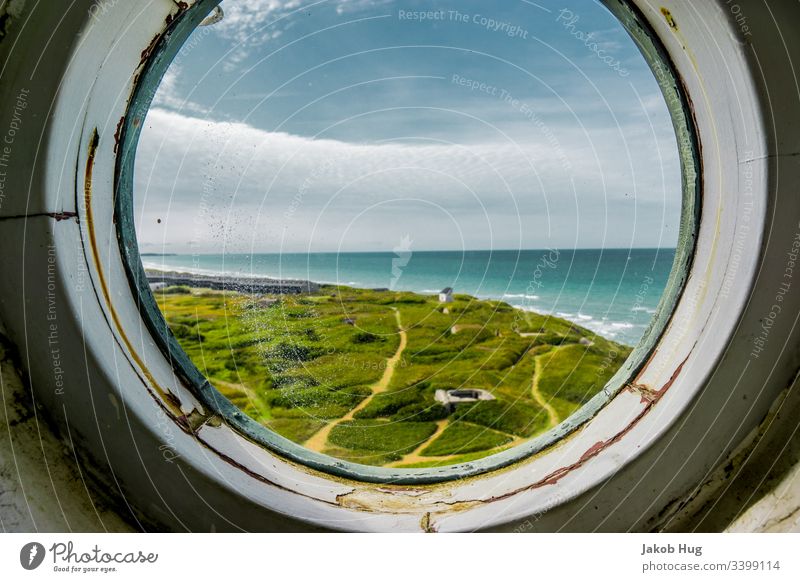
613, 292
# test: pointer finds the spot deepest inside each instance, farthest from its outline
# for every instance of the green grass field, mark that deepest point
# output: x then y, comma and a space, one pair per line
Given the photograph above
335, 372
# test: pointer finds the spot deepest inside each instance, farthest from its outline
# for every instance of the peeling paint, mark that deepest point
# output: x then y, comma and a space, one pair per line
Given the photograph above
59, 216
118, 133
405, 495
191, 421
669, 18
148, 51
649, 395
168, 401
396, 501
426, 524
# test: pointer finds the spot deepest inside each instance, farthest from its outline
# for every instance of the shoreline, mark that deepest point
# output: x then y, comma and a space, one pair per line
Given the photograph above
367, 376
222, 282
264, 285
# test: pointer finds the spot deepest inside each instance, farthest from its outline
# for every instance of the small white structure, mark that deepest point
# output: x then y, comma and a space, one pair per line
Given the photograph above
449, 398
446, 295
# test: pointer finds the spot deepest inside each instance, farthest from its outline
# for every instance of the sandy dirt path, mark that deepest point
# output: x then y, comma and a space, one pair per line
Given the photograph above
415, 456
552, 415
320, 439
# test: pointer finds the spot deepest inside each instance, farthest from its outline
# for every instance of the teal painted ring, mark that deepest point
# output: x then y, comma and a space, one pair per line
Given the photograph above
154, 68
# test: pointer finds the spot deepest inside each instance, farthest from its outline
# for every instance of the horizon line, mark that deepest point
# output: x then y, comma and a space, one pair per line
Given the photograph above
560, 249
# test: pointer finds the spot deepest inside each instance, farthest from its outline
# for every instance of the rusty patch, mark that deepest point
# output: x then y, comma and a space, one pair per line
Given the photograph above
593, 450
659, 393
191, 422
669, 18
647, 393
87, 184
168, 400
427, 524
600, 446
117, 133
644, 392
59, 216
172, 399
145, 54
259, 477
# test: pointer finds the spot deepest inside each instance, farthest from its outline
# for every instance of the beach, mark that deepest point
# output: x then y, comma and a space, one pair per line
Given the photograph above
613, 292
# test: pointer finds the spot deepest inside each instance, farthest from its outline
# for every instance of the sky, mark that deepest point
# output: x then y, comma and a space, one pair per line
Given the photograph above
352, 125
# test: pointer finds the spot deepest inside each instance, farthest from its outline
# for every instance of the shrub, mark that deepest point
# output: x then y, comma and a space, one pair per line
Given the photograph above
375, 435
293, 352
175, 290
297, 430
518, 418
186, 332
576, 373
311, 334
461, 437
421, 412
389, 403
367, 338
299, 381
300, 397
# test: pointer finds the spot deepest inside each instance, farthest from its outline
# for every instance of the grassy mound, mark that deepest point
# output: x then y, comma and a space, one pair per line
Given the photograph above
461, 437
299, 363
395, 438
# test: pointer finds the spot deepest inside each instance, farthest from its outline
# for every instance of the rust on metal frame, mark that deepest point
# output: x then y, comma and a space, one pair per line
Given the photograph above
669, 18
555, 476
117, 133
59, 216
168, 401
427, 522
650, 397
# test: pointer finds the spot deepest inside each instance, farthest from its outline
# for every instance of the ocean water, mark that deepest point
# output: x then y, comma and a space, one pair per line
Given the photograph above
613, 292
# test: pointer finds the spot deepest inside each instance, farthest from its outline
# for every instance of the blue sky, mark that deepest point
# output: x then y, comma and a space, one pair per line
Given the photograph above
350, 125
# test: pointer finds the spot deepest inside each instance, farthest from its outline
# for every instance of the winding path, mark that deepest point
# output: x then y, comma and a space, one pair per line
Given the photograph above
537, 395
415, 456
318, 441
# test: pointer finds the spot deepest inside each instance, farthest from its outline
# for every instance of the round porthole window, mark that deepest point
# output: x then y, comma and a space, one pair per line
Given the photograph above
364, 266
407, 246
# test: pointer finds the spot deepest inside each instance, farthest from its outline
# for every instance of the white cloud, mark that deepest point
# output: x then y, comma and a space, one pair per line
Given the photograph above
356, 5
251, 23
215, 184
169, 96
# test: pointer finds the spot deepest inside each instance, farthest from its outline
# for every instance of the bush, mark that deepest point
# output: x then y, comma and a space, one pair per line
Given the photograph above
376, 435
387, 404
517, 418
299, 381
318, 396
175, 290
421, 412
576, 373
293, 352
186, 332
460, 437
367, 338
298, 430
311, 334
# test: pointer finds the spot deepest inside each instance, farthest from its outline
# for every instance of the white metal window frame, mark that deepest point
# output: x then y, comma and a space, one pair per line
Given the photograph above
111, 391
